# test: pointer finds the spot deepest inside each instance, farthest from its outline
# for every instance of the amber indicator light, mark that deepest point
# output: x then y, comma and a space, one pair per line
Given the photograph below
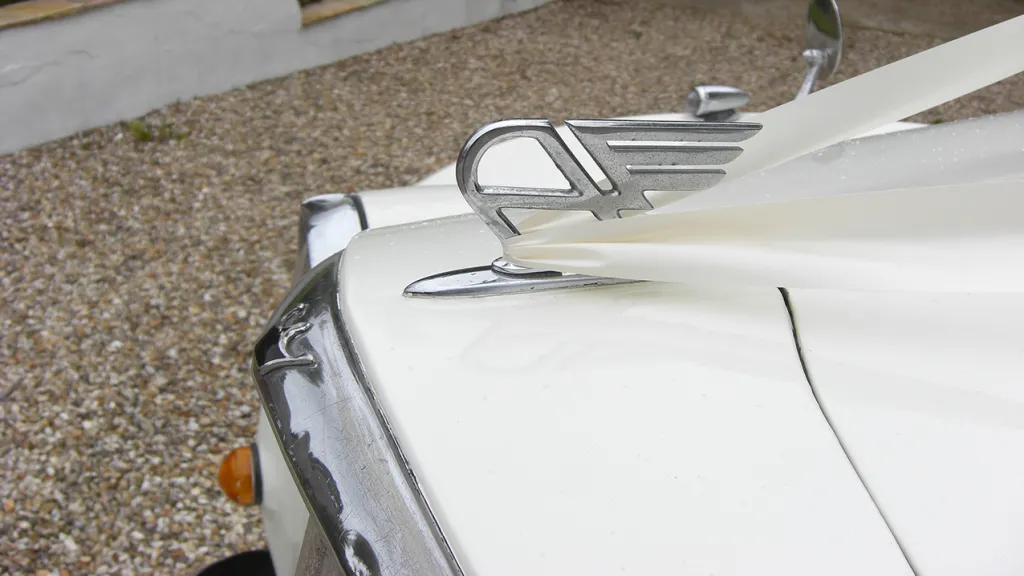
237, 476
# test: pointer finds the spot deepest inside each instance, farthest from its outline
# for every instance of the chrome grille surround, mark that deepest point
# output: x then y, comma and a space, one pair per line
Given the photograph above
337, 442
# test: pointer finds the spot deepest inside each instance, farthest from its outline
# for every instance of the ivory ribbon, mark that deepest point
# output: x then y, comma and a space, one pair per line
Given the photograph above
866, 102
960, 238
980, 149
884, 95
954, 232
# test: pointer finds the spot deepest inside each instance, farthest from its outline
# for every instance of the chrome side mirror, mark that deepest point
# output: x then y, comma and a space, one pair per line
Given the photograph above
716, 103
824, 43
823, 48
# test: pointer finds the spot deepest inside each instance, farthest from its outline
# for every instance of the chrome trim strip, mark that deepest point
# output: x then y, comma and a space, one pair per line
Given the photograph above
666, 130
654, 153
337, 441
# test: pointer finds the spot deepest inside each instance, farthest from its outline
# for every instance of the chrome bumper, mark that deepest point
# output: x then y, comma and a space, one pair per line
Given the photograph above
338, 445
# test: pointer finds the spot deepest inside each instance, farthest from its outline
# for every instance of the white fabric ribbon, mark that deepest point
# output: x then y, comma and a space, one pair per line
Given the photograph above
942, 217
884, 95
960, 238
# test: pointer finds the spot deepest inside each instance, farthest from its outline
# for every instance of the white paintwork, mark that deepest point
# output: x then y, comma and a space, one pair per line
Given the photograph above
438, 196
641, 429
395, 206
435, 197
61, 76
925, 392
283, 510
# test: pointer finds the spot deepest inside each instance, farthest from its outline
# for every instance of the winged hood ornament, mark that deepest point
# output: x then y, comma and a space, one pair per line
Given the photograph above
636, 156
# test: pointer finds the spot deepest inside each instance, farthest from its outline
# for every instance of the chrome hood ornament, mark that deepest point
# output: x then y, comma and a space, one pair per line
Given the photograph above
636, 156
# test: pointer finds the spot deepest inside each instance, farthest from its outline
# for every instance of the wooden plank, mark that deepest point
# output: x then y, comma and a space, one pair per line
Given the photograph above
318, 11
31, 11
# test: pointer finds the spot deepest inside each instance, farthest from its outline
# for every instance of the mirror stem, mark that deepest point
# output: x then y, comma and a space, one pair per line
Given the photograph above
815, 59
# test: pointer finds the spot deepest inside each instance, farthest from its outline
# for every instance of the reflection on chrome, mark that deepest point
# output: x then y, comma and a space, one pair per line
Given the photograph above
356, 483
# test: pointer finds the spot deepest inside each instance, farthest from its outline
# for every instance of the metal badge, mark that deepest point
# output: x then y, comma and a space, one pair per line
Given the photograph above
290, 327
636, 156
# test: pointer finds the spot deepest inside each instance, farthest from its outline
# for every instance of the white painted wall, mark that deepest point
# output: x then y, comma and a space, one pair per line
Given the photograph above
61, 76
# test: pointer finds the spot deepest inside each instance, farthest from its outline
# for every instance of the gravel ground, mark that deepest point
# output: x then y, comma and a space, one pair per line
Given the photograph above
136, 274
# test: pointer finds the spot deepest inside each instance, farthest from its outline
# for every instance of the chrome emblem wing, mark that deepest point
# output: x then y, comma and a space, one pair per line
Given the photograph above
637, 156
